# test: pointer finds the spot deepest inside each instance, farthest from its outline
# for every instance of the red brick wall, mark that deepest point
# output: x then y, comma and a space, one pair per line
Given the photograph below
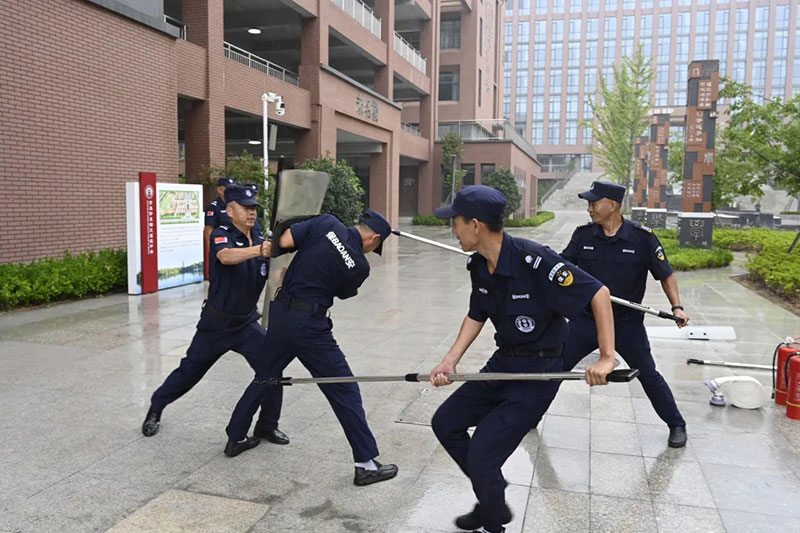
89, 99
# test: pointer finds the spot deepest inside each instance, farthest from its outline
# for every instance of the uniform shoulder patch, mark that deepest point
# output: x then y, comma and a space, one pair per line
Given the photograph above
226, 228
643, 227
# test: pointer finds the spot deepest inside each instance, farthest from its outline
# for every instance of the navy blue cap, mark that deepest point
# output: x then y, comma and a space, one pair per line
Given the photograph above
476, 201
252, 186
378, 224
224, 182
604, 189
240, 195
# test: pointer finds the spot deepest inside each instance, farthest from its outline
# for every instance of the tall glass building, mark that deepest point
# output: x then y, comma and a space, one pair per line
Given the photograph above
555, 51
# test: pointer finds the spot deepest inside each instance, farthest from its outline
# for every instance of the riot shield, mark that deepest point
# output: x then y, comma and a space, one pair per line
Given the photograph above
298, 194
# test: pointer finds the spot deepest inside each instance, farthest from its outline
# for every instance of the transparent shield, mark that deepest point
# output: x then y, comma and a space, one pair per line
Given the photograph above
300, 193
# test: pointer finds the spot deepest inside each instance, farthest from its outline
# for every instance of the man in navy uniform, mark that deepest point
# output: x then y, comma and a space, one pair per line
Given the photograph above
254, 188
216, 214
620, 253
229, 320
526, 290
330, 262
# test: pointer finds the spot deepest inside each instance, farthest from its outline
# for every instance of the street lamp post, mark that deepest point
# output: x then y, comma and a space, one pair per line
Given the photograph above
266, 99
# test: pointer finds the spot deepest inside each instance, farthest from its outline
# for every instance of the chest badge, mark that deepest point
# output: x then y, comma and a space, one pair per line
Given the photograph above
239, 243
525, 323
264, 269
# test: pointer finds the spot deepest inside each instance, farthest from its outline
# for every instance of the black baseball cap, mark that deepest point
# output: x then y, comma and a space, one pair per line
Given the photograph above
378, 224
224, 182
604, 189
476, 201
240, 195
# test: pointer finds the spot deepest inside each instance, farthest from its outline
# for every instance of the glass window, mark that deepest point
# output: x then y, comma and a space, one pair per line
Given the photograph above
701, 47
721, 48
740, 46
555, 109
647, 47
662, 99
762, 18
469, 177
760, 44
521, 108
507, 107
722, 21
703, 21
796, 77
682, 50
541, 7
759, 80
588, 114
574, 54
611, 5
575, 6
558, 31
626, 48
507, 56
646, 27
450, 34
608, 75
574, 29
509, 8
781, 43
486, 169
629, 4
684, 23
522, 56
555, 82
586, 159
591, 54
539, 56
589, 82
591, 29
685, 2
556, 55
665, 24
609, 51
538, 81
592, 5
610, 27
664, 50
742, 19
782, 17
524, 7
679, 98
778, 78
662, 78
449, 78
558, 6
572, 107
537, 109
681, 77
571, 132
738, 73
573, 75
627, 26
540, 31
665, 3
523, 32
554, 132
508, 33
537, 133
507, 83
522, 81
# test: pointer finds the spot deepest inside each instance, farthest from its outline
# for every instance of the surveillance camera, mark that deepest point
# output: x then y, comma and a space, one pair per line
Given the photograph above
280, 109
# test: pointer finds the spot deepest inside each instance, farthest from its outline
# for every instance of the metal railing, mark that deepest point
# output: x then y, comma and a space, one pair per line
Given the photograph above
259, 63
486, 130
570, 172
410, 54
362, 14
411, 128
178, 24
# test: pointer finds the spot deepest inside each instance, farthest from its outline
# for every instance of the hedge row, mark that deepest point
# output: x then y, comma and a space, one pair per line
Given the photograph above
48, 280
540, 218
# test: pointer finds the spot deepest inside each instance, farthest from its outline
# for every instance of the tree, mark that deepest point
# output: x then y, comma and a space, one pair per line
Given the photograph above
244, 168
345, 194
621, 116
676, 150
503, 180
452, 147
759, 145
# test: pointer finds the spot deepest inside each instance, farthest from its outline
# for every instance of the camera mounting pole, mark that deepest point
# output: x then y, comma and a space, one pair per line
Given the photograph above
277, 99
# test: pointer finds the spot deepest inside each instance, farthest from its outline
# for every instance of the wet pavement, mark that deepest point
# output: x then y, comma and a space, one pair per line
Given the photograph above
75, 382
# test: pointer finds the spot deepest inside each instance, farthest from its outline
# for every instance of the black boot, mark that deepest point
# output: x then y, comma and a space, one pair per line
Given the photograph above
150, 424
677, 437
473, 520
368, 477
233, 448
275, 436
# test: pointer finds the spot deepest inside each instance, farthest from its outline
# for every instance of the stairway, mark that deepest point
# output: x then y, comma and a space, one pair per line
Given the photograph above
566, 199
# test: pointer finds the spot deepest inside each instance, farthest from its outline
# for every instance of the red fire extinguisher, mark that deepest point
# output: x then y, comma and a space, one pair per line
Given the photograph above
779, 365
793, 386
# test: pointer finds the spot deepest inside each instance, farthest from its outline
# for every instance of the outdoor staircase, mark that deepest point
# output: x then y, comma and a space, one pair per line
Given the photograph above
566, 199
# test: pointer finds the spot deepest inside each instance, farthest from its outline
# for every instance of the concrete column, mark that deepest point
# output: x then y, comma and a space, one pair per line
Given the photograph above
384, 76
321, 138
429, 180
205, 121
384, 181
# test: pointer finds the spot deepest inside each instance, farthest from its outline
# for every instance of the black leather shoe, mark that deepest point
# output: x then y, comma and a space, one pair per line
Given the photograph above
368, 477
150, 424
472, 520
233, 448
275, 436
502, 530
677, 437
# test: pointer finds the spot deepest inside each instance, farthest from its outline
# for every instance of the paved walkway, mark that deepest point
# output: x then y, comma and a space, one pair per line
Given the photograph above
75, 381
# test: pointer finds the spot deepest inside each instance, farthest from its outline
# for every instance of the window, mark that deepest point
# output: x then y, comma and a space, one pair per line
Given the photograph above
557, 55
591, 54
586, 159
571, 132
469, 177
738, 73
574, 29
507, 107
522, 56
610, 28
480, 87
558, 6
665, 24
629, 4
523, 31
760, 41
558, 31
759, 80
611, 5
538, 81
703, 21
609, 51
742, 19
682, 50
480, 37
572, 81
539, 56
507, 83
681, 77
762, 18
664, 3
679, 99
509, 8
778, 78
575, 6
722, 21
782, 17
740, 46
646, 27
627, 27
608, 74
589, 82
701, 47
592, 32
588, 113
486, 169
524, 7
555, 110
662, 78
537, 132
521, 110
450, 35
662, 99
555, 82
592, 5
587, 139
537, 109
647, 4
626, 48
541, 7
664, 49
508, 34
448, 83
522, 81
554, 132
572, 107
684, 23
781, 48
574, 54
507, 56
796, 77
540, 31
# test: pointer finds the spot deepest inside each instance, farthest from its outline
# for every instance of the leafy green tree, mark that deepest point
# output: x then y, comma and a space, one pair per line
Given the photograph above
503, 180
452, 147
621, 116
759, 145
345, 194
676, 150
244, 168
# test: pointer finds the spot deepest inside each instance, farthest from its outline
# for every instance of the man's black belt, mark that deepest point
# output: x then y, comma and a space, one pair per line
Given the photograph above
301, 305
523, 351
234, 319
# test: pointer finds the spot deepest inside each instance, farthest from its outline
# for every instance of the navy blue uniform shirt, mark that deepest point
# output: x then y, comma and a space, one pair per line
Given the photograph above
330, 261
216, 214
235, 289
529, 294
621, 262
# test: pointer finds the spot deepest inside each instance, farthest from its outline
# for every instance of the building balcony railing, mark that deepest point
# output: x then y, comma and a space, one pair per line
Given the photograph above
362, 14
259, 63
410, 54
178, 24
486, 130
412, 128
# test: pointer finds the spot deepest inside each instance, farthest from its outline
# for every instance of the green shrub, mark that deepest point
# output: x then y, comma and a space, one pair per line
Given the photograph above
428, 220
504, 181
345, 193
777, 269
683, 258
48, 280
540, 218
